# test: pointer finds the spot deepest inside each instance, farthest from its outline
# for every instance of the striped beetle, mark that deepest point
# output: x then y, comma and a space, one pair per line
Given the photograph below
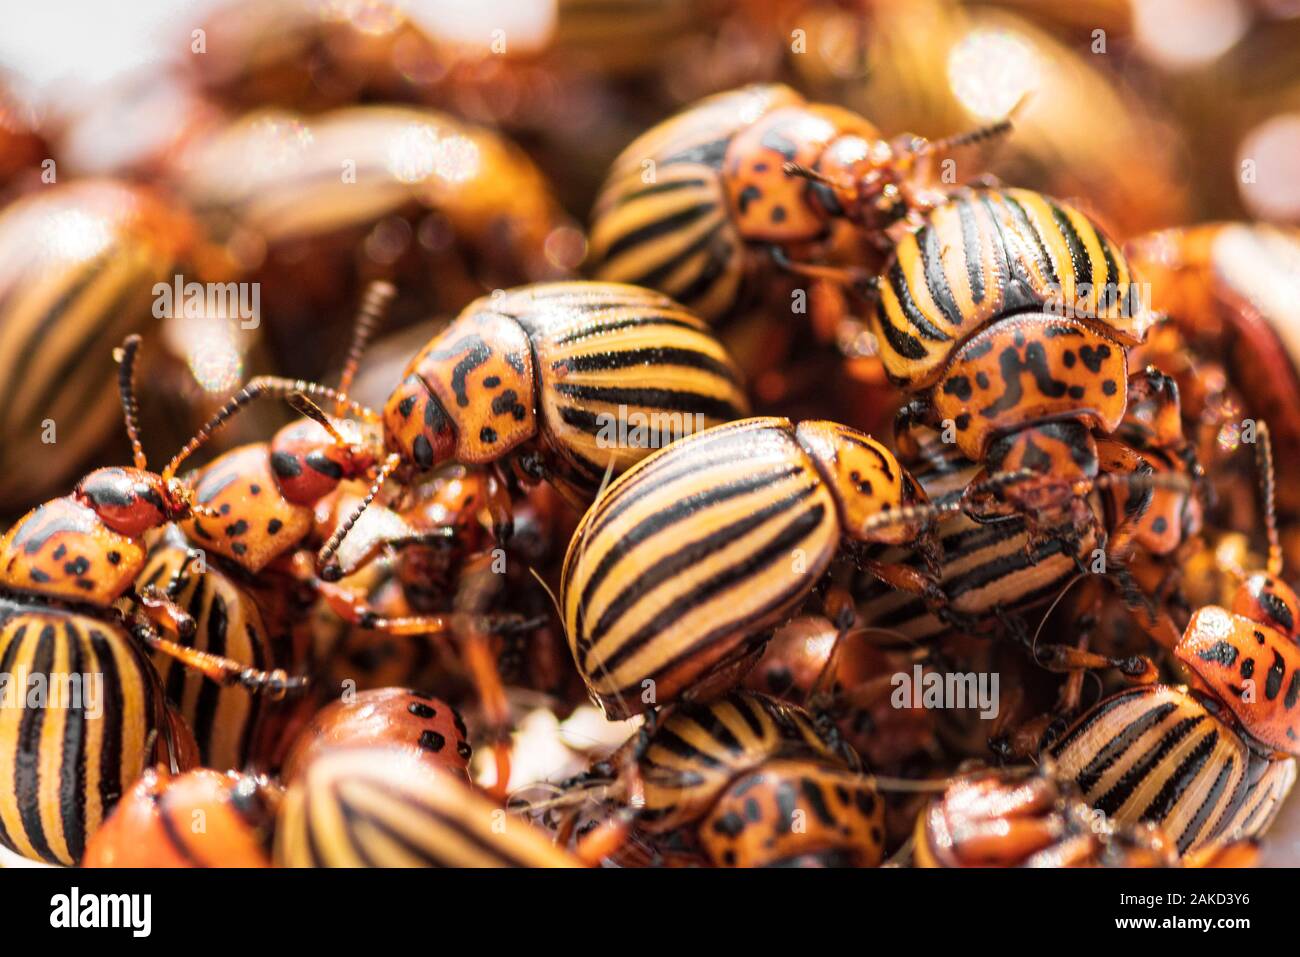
63, 568
746, 781
680, 568
692, 206
381, 807
1213, 764
538, 376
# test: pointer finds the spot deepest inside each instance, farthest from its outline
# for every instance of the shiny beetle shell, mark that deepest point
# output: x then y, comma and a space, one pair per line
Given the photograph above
78, 264
986, 255
700, 748
669, 225
576, 367
225, 720
379, 807
62, 769
681, 566
792, 812
278, 176
1159, 754
399, 718
154, 823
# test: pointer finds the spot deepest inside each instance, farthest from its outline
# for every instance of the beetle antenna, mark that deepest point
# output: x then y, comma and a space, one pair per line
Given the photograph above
125, 355
980, 134
1268, 493
305, 406
326, 566
374, 307
258, 388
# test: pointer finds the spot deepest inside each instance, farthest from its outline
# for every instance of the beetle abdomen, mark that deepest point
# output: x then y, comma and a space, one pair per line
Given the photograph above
685, 560
663, 219
621, 371
1156, 754
228, 622
64, 764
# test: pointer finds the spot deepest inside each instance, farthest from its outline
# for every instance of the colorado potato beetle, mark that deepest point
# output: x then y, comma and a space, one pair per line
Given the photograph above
1007, 316
399, 718
680, 569
1211, 764
315, 206
258, 509
566, 382
693, 206
63, 568
379, 807
753, 782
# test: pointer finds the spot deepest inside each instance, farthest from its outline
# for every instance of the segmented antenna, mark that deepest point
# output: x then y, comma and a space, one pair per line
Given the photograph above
125, 356
374, 307
328, 569
258, 388
306, 407
980, 134
1268, 493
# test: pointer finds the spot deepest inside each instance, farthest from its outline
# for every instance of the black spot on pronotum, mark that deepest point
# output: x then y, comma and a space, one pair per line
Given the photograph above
285, 465
432, 741
959, 386
421, 710
422, 452
730, 824
1220, 652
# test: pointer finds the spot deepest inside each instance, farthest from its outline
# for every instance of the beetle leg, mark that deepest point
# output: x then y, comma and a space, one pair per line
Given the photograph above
163, 612
224, 671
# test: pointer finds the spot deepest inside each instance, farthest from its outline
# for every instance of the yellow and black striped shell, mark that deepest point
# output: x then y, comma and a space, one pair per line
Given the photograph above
65, 764
680, 568
986, 569
987, 254
600, 374
78, 264
1158, 754
699, 749
663, 218
761, 784
381, 807
225, 720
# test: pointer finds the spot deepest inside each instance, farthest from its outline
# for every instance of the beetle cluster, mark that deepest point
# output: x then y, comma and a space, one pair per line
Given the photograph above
1043, 620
